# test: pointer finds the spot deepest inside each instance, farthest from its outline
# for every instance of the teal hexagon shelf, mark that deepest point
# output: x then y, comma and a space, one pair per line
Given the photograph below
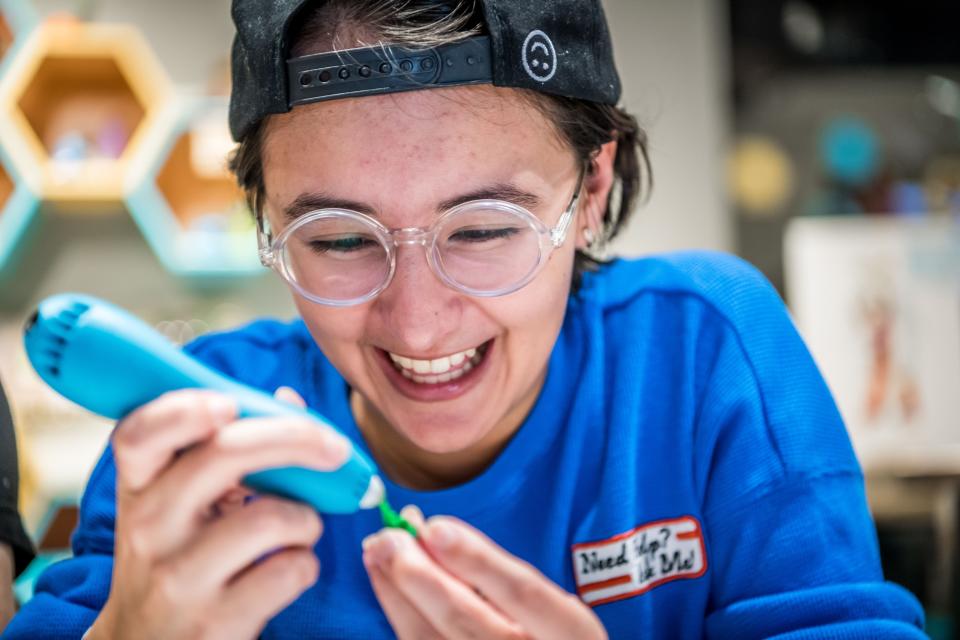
18, 206
17, 19
18, 203
185, 202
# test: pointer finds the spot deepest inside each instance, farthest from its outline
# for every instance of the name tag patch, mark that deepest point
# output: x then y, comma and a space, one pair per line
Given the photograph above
638, 560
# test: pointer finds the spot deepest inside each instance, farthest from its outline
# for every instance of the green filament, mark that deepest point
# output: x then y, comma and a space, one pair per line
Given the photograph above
393, 519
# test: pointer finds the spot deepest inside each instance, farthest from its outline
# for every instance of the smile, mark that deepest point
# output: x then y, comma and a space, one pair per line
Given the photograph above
439, 370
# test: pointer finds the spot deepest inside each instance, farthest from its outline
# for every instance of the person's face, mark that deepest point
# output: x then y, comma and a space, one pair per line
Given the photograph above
402, 155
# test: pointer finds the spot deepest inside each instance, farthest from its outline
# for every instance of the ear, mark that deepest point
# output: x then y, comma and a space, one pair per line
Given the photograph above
596, 192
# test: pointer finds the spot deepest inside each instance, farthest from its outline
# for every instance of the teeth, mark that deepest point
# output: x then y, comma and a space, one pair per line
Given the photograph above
421, 366
437, 370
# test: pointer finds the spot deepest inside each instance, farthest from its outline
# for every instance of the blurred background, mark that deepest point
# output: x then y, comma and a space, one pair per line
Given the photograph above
818, 139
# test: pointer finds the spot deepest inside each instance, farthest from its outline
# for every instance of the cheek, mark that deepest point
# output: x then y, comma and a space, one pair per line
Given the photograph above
536, 312
556, 277
337, 331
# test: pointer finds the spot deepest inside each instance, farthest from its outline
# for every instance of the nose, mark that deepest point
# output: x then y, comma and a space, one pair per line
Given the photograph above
418, 308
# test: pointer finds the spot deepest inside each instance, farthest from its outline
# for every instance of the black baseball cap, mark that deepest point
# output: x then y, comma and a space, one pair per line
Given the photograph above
560, 47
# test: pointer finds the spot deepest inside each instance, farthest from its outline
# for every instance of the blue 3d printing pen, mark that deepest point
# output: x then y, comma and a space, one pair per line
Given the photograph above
110, 362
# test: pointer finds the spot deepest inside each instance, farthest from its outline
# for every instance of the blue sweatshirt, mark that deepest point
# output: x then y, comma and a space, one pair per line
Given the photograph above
684, 471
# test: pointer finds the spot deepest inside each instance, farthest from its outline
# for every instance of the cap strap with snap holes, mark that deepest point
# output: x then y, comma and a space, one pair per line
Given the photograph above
386, 69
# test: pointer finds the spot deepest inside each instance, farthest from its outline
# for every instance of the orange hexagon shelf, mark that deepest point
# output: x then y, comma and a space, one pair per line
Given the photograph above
79, 98
6, 35
6, 187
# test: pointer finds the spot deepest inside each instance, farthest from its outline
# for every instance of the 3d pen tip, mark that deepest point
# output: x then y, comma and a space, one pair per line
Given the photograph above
374, 495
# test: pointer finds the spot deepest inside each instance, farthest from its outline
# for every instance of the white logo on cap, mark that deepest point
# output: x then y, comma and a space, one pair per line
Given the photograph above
539, 56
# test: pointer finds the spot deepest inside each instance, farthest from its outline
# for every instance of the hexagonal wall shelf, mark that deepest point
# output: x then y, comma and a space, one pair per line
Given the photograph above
79, 99
18, 204
185, 201
17, 20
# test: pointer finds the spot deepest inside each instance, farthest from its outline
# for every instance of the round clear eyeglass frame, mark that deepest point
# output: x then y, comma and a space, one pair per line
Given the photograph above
272, 249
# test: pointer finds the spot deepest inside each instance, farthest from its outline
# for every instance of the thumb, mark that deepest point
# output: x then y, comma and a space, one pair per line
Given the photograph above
289, 396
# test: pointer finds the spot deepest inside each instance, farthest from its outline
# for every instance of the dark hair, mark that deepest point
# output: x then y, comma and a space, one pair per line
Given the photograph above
583, 125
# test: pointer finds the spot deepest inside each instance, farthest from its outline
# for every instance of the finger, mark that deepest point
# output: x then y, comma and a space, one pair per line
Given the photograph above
261, 592
230, 544
147, 440
289, 396
450, 606
412, 514
184, 492
510, 584
406, 621
233, 499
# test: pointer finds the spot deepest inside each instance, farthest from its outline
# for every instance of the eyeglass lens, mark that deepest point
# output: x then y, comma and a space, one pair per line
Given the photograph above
338, 257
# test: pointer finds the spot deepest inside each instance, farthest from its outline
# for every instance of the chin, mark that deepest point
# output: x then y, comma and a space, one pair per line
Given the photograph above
440, 435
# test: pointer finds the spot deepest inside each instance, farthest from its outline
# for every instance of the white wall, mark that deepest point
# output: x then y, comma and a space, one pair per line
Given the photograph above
189, 36
672, 57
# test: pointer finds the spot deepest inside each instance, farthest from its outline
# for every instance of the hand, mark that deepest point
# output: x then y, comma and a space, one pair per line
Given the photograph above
184, 569
454, 582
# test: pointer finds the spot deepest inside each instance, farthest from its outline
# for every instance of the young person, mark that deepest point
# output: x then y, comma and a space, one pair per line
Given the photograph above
640, 449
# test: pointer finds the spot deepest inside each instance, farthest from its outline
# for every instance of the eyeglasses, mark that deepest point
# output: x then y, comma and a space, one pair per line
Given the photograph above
483, 248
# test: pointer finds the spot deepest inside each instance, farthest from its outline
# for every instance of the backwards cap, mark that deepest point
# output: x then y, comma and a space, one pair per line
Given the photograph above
561, 47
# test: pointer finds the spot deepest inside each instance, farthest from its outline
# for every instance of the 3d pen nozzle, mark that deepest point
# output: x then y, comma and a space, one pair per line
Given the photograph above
375, 493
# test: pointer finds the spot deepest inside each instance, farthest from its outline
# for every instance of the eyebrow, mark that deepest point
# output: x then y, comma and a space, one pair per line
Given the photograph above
307, 202
501, 191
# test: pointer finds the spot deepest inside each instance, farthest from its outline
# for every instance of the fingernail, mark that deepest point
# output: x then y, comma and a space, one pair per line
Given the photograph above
440, 534
412, 514
380, 548
222, 408
337, 446
388, 547
290, 396
237, 495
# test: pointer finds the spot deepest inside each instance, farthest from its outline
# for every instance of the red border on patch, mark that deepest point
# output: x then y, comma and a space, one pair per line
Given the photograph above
688, 535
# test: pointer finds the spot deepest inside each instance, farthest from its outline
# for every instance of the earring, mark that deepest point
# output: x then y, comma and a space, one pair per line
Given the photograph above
589, 237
